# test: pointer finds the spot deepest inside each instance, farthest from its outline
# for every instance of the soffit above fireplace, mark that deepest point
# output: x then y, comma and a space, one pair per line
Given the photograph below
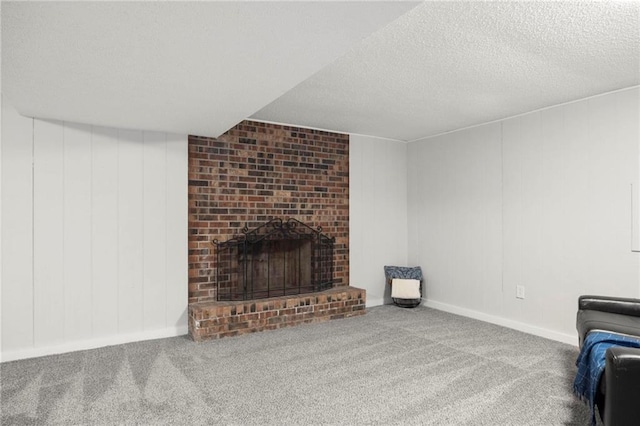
182, 67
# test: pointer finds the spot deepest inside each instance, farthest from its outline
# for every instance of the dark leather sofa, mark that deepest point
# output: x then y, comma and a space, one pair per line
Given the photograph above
618, 397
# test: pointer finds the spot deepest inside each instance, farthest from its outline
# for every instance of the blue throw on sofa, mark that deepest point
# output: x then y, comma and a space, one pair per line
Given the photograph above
591, 362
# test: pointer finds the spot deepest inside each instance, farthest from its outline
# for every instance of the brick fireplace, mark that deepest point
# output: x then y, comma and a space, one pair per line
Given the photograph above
250, 175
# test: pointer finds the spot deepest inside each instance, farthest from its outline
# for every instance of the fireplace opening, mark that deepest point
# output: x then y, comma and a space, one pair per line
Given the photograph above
278, 258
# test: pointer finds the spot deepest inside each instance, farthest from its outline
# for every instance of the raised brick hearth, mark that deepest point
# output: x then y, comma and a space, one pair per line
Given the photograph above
214, 320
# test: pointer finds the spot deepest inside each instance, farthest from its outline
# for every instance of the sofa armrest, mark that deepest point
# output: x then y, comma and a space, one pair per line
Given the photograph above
622, 386
614, 305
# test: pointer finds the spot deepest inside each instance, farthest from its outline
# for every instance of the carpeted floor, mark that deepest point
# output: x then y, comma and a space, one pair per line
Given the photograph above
390, 366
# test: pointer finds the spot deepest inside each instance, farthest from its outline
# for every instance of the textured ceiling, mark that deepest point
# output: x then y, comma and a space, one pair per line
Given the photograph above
449, 65
201, 67
185, 67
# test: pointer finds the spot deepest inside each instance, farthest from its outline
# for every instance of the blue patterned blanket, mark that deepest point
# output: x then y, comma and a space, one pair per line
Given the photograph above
591, 362
407, 272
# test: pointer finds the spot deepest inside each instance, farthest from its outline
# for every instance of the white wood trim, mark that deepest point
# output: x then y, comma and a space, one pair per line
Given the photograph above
82, 345
525, 328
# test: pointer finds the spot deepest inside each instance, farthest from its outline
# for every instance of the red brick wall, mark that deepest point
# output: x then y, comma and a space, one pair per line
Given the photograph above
257, 171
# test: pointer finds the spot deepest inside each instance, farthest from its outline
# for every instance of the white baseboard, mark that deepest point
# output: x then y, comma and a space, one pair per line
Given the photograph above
182, 330
374, 301
526, 328
82, 345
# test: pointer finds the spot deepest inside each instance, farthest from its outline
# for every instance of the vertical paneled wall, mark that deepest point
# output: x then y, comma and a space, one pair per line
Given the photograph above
17, 230
377, 212
94, 235
542, 200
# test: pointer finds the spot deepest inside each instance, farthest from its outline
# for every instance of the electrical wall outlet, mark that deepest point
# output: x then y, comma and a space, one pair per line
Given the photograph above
520, 292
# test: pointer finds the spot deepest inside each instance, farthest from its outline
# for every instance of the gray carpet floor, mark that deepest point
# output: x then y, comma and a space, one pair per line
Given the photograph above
390, 366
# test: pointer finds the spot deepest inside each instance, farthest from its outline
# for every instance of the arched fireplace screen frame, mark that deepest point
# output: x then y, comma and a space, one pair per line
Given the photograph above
278, 258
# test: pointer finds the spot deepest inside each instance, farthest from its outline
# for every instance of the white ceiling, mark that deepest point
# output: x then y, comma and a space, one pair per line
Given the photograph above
445, 66
183, 67
199, 67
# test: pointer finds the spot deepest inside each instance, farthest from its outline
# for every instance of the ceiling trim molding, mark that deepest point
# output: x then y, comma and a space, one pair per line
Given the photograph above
524, 113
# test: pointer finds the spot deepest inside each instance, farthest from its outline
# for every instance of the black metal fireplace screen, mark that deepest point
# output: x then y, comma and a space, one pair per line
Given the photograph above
278, 258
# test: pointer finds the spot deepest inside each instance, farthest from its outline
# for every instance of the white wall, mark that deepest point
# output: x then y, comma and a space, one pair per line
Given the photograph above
542, 200
455, 215
94, 238
377, 213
